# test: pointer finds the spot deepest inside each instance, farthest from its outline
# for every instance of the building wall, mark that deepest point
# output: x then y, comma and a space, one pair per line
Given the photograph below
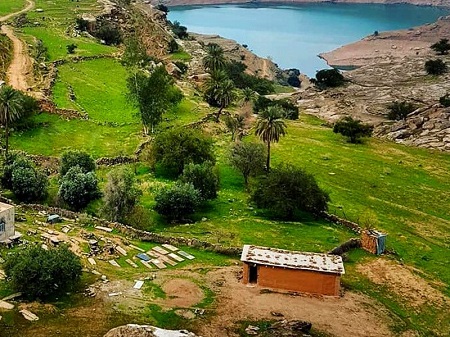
305, 281
8, 215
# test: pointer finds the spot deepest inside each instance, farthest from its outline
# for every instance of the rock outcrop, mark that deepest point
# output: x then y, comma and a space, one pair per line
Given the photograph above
134, 330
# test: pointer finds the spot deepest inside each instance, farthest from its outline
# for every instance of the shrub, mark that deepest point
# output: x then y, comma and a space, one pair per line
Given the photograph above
329, 78
162, 8
74, 158
204, 177
442, 47
24, 180
289, 109
435, 67
179, 30
236, 72
39, 274
109, 33
177, 201
294, 81
78, 188
173, 46
182, 66
287, 190
175, 148
445, 100
248, 158
400, 110
121, 194
82, 24
353, 129
71, 48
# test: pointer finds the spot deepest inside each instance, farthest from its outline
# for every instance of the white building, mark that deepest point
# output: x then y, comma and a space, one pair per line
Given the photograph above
7, 230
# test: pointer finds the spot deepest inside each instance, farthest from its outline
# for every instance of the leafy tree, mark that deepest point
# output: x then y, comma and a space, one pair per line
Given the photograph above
329, 78
177, 201
435, 67
204, 177
353, 129
179, 30
11, 109
445, 100
120, 195
39, 274
40, 52
71, 48
269, 128
109, 33
74, 158
135, 54
235, 125
248, 158
162, 8
177, 147
236, 72
286, 190
400, 110
153, 94
78, 188
82, 24
288, 109
215, 59
442, 47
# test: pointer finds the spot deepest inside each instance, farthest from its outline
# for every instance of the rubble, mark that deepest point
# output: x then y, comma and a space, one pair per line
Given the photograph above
134, 330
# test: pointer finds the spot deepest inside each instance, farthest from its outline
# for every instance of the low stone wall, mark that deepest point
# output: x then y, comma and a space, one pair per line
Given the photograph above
339, 221
346, 246
112, 161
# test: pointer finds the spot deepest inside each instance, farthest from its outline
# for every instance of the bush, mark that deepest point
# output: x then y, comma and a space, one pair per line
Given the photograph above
109, 33
179, 30
294, 81
175, 148
353, 129
74, 158
248, 158
204, 177
177, 201
39, 274
400, 110
78, 188
435, 67
82, 24
182, 66
445, 100
173, 46
289, 109
24, 180
162, 8
71, 48
121, 194
287, 190
236, 72
329, 78
442, 47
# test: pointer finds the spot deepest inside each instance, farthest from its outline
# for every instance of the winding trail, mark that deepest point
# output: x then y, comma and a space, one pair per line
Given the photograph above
21, 64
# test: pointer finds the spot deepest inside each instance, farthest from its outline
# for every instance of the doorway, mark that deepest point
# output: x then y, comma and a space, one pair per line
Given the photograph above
253, 274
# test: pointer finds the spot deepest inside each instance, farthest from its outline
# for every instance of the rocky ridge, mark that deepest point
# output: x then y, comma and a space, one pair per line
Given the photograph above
134, 330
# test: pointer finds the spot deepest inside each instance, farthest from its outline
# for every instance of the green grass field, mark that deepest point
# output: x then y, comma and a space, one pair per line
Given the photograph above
11, 6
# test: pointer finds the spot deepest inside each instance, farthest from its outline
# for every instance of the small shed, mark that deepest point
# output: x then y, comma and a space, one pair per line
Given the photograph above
313, 273
373, 241
7, 229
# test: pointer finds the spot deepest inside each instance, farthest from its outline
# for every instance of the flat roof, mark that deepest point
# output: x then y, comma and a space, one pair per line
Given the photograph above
4, 206
325, 263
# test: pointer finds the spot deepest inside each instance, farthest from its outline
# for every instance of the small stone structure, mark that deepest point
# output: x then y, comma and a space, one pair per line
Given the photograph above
291, 270
135, 330
373, 241
7, 231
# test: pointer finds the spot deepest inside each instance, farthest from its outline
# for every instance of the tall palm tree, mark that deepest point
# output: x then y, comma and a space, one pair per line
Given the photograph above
224, 95
11, 108
214, 60
247, 95
269, 128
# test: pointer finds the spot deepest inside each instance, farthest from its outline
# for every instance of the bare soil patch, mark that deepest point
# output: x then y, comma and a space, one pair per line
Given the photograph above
403, 282
182, 293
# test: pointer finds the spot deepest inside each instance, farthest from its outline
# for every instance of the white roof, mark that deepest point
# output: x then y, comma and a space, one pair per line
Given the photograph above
4, 206
325, 263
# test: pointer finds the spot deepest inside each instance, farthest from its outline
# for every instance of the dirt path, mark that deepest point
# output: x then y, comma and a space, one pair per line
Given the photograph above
21, 64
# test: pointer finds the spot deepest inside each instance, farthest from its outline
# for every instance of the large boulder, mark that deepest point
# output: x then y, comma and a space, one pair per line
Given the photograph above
135, 330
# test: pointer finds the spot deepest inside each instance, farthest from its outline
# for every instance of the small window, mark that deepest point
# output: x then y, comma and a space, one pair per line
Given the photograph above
2, 227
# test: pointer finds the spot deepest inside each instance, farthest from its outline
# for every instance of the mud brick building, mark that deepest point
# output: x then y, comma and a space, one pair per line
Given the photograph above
291, 270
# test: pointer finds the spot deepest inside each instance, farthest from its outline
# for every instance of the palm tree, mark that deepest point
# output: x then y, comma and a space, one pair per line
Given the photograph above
269, 127
11, 109
247, 95
224, 95
214, 60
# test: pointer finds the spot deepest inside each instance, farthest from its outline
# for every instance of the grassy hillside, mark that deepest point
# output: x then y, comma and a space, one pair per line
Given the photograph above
10, 6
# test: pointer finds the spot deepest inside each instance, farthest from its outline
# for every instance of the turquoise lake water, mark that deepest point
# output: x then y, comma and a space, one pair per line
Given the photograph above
293, 35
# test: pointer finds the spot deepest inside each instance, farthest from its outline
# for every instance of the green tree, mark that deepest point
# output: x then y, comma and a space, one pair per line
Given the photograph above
269, 128
39, 274
329, 78
74, 158
248, 95
224, 95
177, 147
78, 188
235, 124
204, 177
442, 47
71, 48
435, 67
287, 190
353, 129
153, 94
121, 194
135, 54
11, 109
248, 158
177, 201
214, 59
400, 110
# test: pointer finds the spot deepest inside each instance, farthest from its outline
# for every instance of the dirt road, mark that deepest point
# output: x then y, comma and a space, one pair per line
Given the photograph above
21, 64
